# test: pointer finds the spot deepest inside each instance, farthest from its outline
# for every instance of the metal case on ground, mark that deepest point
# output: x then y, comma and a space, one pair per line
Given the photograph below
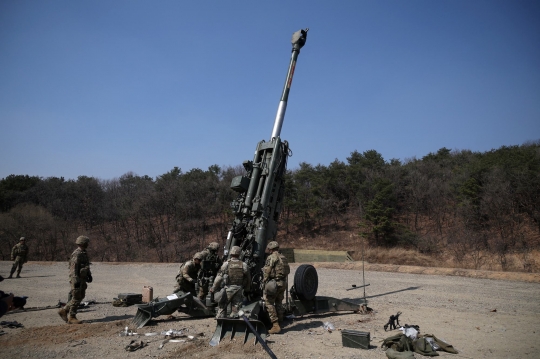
130, 298
355, 339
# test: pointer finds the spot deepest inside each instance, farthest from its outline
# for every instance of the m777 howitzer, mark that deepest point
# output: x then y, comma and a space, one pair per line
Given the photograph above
256, 210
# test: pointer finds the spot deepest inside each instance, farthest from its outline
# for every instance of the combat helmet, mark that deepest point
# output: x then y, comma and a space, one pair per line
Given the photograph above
235, 251
272, 245
22, 239
198, 256
81, 240
214, 246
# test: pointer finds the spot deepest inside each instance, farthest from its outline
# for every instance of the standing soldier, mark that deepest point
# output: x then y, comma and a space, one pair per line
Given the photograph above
275, 272
187, 275
19, 254
211, 262
235, 275
79, 275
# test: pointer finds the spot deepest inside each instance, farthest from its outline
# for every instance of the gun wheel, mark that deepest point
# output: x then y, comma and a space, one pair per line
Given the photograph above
306, 281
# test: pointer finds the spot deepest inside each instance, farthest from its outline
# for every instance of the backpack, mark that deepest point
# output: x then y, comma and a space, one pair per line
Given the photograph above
282, 267
179, 275
399, 342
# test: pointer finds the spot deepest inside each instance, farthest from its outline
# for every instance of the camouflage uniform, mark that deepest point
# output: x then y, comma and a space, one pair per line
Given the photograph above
19, 254
236, 275
187, 277
79, 274
276, 268
210, 264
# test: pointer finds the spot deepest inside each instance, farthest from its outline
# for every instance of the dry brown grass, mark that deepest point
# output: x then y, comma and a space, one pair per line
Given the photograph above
348, 241
397, 256
470, 273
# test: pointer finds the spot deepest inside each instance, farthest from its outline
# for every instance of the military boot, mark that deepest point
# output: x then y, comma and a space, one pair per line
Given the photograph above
73, 320
11, 273
275, 328
18, 274
63, 314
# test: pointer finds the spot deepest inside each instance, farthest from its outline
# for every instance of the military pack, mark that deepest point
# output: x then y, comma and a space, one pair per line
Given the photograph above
127, 299
236, 272
282, 267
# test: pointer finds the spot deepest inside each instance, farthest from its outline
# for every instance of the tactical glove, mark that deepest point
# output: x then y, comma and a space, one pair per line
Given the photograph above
89, 278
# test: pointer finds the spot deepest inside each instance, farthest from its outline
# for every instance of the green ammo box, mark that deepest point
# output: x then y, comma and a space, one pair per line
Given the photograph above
355, 339
240, 184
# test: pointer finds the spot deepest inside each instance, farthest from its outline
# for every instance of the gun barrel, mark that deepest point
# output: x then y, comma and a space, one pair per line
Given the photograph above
298, 41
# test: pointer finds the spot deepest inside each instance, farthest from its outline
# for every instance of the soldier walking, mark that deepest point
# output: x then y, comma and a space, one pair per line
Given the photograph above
79, 275
236, 277
19, 254
210, 265
187, 275
275, 272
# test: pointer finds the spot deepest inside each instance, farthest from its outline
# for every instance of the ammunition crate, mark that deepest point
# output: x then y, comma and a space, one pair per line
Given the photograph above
355, 339
240, 184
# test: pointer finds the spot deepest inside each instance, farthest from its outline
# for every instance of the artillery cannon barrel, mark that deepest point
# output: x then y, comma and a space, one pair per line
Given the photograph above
258, 205
298, 41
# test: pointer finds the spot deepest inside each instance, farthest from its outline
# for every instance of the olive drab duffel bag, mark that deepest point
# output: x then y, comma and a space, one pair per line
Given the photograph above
394, 354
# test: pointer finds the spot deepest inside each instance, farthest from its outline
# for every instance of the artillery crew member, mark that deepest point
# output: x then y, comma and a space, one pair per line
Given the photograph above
210, 265
19, 254
236, 277
79, 275
187, 275
275, 272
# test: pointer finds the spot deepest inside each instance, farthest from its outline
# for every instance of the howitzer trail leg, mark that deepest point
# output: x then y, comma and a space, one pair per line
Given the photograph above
263, 342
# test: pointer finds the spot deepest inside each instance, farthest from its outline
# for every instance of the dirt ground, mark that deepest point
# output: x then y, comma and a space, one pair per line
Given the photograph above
483, 314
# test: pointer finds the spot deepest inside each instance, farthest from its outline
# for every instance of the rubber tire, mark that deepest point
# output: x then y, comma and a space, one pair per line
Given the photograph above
306, 281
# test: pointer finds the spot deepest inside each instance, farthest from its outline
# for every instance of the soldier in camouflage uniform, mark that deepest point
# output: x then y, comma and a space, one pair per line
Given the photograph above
211, 262
236, 277
187, 275
275, 272
79, 275
19, 254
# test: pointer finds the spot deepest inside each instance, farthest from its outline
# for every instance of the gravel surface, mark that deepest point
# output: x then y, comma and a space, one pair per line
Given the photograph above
482, 318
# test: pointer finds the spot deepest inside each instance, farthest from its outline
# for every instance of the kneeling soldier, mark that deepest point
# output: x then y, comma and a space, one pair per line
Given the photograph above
210, 265
187, 275
235, 275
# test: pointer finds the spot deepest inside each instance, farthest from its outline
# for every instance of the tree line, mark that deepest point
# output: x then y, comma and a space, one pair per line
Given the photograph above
465, 203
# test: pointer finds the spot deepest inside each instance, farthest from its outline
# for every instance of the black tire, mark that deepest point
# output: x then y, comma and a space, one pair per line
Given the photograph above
306, 281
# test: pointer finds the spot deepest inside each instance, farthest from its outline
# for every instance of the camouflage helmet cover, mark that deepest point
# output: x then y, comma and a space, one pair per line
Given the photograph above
198, 256
272, 245
235, 251
214, 246
82, 240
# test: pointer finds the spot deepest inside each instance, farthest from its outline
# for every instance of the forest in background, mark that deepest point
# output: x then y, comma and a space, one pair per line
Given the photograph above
472, 209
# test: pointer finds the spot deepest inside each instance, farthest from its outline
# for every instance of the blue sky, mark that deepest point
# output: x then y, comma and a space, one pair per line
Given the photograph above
100, 88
